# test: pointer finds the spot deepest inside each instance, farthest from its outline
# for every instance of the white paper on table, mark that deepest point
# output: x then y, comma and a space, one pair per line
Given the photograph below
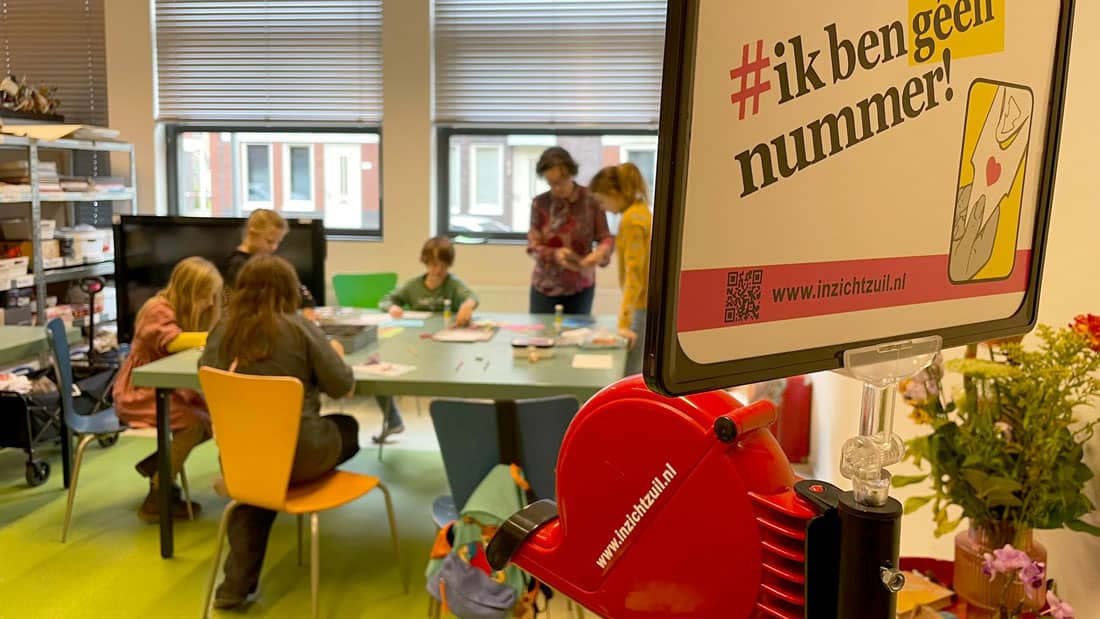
574, 337
358, 320
461, 334
592, 362
413, 315
383, 369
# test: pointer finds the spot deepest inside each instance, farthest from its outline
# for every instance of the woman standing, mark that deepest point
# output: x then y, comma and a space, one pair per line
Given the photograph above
568, 237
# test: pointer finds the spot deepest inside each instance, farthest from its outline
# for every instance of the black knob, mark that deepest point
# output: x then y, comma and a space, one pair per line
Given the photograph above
725, 429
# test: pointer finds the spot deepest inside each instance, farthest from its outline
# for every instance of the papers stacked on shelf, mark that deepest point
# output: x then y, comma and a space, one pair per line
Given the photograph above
19, 173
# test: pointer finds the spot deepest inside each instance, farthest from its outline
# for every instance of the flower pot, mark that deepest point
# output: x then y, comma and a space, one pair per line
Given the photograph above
983, 596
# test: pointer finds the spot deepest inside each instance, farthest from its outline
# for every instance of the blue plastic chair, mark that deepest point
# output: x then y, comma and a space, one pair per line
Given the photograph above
87, 428
467, 432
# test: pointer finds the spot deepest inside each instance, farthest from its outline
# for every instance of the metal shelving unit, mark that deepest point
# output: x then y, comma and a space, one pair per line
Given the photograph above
35, 198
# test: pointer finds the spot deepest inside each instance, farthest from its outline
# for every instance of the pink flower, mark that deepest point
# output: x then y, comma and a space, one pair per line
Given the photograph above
1058, 609
1012, 558
1033, 576
1003, 561
1005, 429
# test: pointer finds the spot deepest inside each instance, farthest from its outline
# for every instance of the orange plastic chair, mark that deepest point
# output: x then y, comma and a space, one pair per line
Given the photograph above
258, 472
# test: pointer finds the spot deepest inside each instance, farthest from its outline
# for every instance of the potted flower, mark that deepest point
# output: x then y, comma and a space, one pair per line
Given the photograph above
1005, 452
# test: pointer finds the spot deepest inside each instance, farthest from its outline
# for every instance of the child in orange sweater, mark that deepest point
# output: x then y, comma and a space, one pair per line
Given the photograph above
176, 319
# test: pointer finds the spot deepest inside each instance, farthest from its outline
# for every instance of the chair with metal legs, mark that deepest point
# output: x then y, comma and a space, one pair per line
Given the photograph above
103, 424
470, 439
258, 473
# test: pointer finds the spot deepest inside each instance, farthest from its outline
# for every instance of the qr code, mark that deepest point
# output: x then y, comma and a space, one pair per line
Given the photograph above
743, 295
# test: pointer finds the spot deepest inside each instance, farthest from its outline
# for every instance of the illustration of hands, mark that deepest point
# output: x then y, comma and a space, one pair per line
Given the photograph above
996, 160
972, 236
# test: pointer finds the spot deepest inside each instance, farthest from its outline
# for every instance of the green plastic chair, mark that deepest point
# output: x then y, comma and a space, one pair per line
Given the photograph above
362, 289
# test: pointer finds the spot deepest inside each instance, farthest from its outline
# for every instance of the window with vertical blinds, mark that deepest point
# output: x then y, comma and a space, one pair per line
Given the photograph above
60, 44
549, 61
272, 61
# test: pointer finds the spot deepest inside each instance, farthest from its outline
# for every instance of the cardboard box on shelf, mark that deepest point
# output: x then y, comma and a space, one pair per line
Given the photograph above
64, 312
51, 248
19, 264
18, 229
19, 316
53, 263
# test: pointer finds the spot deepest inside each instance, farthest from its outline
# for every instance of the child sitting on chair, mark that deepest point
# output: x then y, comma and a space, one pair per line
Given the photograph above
426, 292
176, 319
263, 335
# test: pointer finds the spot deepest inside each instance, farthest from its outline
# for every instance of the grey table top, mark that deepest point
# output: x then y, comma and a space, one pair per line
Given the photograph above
486, 370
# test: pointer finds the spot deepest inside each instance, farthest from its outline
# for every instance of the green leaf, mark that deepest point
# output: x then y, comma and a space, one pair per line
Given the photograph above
978, 480
999, 498
901, 481
972, 460
947, 526
914, 503
1082, 473
1083, 527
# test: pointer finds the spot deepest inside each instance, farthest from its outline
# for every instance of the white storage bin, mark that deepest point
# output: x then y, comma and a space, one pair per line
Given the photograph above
88, 245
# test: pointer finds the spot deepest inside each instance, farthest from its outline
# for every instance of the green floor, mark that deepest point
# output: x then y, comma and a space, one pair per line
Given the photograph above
111, 566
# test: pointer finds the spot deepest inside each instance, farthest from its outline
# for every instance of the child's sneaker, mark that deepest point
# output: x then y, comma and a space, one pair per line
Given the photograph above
150, 509
387, 432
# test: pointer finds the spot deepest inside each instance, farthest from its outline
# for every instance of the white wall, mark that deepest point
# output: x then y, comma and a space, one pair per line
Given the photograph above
500, 272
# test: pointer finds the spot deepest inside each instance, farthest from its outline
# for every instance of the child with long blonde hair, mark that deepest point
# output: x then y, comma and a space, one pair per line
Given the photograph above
263, 233
176, 319
621, 189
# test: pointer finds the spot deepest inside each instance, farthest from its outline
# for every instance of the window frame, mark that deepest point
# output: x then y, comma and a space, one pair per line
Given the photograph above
294, 205
444, 132
174, 131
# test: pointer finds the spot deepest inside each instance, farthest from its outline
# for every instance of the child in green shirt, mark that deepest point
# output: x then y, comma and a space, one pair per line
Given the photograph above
428, 292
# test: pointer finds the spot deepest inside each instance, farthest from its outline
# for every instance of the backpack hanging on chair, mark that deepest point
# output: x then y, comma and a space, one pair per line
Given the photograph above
458, 573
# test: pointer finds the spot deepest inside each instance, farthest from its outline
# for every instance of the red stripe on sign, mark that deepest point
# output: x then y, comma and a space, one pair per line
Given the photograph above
717, 298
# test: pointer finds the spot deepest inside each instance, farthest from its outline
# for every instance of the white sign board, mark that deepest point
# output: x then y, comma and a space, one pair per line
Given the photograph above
833, 175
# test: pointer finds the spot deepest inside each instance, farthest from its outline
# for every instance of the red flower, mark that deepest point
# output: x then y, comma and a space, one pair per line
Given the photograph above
1088, 325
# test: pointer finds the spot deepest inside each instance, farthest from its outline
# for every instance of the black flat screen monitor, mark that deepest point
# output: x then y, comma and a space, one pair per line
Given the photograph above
148, 247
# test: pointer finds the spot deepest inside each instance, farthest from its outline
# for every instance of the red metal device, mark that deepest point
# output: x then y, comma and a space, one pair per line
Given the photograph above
680, 507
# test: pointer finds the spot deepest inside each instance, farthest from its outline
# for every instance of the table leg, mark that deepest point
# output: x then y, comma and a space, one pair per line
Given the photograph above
164, 471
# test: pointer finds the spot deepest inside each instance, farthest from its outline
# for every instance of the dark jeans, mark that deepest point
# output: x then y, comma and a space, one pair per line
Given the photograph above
578, 304
391, 416
249, 526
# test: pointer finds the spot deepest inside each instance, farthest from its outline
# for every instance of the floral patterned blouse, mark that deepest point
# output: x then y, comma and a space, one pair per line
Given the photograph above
577, 223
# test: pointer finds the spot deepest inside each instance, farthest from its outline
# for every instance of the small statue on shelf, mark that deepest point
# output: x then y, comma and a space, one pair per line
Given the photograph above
16, 96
